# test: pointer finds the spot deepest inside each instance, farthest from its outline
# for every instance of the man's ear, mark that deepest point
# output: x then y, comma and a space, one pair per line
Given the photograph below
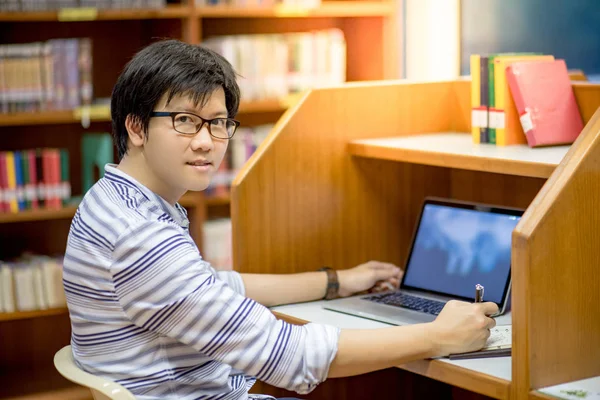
135, 131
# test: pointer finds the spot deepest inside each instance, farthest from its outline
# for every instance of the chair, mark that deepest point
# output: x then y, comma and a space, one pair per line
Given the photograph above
102, 389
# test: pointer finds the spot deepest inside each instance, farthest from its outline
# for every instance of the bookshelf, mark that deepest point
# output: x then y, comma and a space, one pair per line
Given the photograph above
357, 195
456, 150
30, 339
102, 114
32, 314
91, 14
335, 9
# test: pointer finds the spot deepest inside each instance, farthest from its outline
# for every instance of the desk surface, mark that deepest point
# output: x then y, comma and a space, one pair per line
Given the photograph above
588, 389
488, 376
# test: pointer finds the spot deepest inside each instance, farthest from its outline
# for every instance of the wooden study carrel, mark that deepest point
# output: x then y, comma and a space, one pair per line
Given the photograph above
340, 181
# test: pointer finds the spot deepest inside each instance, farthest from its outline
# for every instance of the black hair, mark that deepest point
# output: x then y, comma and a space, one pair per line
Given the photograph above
175, 68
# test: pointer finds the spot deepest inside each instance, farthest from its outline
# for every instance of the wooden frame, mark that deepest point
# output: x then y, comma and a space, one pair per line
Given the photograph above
320, 191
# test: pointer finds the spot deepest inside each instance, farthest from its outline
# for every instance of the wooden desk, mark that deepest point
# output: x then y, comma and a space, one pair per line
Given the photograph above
490, 377
341, 178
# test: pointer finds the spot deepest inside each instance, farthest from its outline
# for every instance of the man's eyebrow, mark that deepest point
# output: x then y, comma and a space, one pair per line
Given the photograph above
215, 114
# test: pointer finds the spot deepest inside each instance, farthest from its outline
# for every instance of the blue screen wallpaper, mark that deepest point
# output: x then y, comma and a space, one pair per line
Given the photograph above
457, 248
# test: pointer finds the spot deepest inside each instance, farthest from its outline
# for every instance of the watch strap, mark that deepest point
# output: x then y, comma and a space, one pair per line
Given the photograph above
333, 285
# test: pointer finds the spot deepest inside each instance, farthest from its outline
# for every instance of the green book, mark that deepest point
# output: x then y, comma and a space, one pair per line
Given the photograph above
26, 179
64, 176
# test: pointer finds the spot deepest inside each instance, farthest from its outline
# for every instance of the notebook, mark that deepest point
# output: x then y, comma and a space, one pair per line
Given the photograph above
455, 246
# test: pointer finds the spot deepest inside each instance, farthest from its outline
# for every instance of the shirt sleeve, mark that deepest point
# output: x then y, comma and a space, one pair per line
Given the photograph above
164, 286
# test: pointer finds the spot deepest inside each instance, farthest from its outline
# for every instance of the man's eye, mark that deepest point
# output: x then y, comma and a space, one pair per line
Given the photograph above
183, 119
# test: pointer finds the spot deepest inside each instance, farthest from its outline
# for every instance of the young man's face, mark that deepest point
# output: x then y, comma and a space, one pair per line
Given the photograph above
185, 162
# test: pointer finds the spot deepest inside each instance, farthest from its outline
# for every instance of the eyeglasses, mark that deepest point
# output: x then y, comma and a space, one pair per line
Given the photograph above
190, 124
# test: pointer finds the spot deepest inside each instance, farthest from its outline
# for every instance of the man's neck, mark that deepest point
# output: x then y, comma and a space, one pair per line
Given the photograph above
135, 167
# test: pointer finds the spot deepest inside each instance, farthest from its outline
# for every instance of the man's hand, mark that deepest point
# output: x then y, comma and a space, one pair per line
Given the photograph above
463, 327
374, 276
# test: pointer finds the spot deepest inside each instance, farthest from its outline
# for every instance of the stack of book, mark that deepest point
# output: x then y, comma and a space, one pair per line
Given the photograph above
262, 3
48, 5
522, 98
53, 75
31, 282
273, 66
32, 179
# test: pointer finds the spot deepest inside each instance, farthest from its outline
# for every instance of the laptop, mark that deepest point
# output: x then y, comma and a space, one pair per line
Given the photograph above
455, 246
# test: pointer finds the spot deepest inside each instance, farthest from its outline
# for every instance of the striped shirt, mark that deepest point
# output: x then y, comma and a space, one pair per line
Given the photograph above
149, 313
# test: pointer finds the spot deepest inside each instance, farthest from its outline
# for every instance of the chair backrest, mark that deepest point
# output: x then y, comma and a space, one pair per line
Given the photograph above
101, 388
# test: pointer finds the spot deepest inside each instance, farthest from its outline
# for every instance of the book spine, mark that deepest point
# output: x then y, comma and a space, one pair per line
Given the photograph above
484, 94
492, 112
475, 98
12, 182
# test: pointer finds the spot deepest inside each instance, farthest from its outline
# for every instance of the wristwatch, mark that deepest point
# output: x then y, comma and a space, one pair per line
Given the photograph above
333, 285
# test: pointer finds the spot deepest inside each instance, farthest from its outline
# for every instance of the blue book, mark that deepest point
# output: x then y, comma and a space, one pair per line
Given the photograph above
19, 180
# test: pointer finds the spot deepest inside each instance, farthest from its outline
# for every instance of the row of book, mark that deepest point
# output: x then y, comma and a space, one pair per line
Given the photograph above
47, 5
33, 179
262, 3
243, 144
522, 98
275, 65
31, 282
51, 75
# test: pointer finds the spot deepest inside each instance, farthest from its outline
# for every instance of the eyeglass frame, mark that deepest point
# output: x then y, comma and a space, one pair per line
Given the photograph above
173, 114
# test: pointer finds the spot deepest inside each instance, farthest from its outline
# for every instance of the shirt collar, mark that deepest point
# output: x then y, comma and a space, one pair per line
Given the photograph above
177, 212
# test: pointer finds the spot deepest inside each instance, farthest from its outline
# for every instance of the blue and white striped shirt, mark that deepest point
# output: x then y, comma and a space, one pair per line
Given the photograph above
149, 313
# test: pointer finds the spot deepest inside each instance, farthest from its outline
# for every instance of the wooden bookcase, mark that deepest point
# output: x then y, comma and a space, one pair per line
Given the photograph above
28, 341
341, 178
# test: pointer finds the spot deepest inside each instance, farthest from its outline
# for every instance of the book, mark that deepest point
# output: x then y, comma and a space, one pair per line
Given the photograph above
499, 344
545, 102
507, 126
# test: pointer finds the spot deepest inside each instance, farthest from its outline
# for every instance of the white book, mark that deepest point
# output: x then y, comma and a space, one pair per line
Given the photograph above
39, 290
8, 293
24, 287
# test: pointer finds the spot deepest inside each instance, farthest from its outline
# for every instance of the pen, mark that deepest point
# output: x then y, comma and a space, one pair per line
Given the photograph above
478, 293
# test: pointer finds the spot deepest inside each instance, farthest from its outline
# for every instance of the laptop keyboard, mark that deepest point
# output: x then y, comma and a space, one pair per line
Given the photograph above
407, 301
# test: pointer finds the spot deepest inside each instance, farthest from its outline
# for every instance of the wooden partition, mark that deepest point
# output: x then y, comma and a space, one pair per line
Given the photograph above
556, 257
341, 178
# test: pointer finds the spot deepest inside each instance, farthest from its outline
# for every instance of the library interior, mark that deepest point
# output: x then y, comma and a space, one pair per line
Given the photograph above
353, 114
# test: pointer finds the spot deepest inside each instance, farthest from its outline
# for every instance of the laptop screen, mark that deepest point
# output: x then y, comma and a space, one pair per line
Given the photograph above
456, 248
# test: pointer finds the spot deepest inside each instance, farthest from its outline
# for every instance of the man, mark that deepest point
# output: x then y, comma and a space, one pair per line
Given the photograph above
149, 313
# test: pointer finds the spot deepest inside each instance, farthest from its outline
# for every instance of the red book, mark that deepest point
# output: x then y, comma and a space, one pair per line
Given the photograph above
545, 101
4, 206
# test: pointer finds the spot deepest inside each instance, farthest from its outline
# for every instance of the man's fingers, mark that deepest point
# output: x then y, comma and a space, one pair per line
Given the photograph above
378, 265
488, 308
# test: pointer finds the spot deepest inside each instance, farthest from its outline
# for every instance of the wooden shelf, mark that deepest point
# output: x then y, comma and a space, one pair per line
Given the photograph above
99, 15
326, 9
456, 150
13, 316
72, 393
102, 114
188, 200
38, 215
